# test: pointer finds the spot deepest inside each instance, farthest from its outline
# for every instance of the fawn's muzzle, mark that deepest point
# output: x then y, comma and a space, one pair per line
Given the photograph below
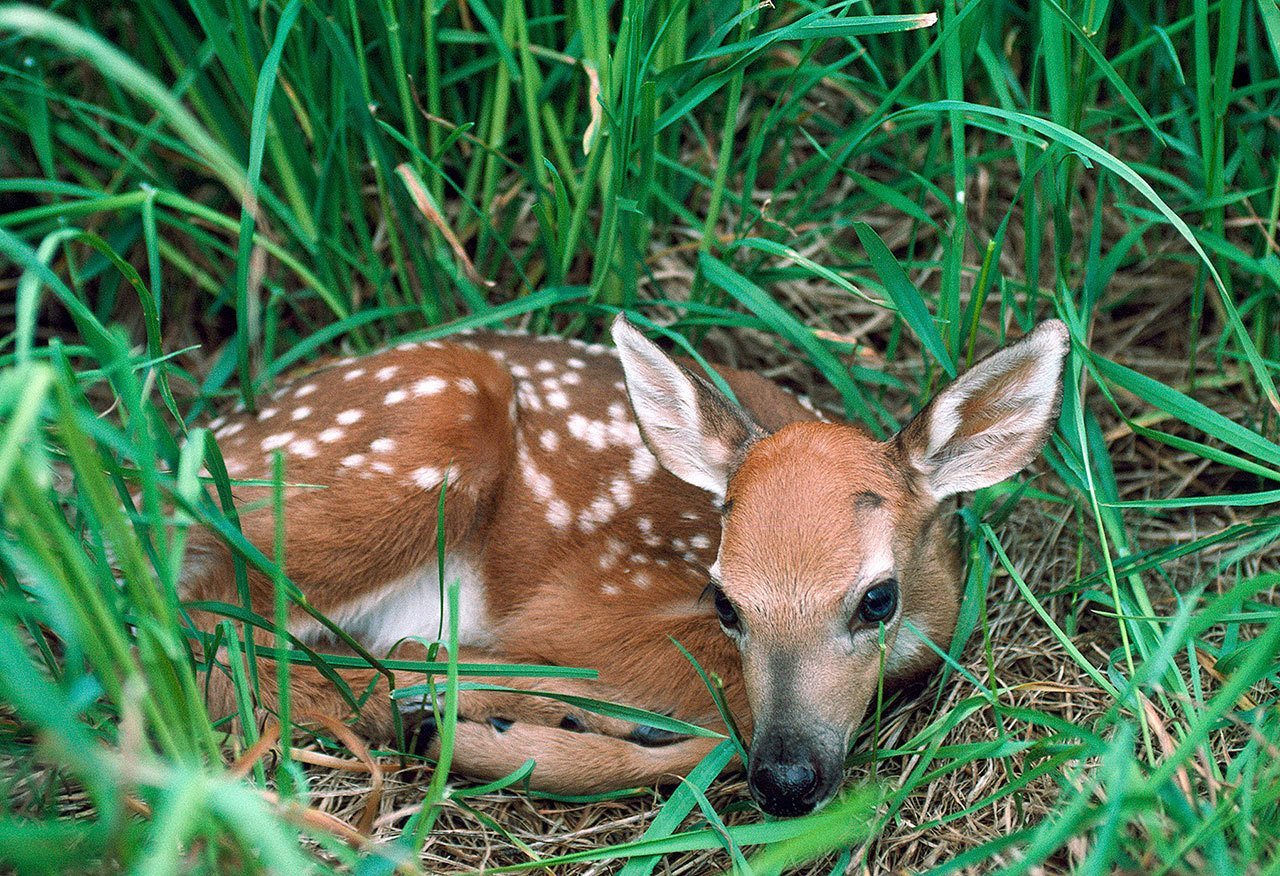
790, 775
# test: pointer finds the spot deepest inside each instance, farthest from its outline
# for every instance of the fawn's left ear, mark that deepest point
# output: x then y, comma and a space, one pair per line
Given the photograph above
695, 432
991, 421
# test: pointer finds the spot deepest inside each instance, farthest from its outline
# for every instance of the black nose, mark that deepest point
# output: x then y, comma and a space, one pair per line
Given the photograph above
783, 788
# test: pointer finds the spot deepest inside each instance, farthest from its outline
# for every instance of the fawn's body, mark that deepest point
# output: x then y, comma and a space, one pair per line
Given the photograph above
575, 546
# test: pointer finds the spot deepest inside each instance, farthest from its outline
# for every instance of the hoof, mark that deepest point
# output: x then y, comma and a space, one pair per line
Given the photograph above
572, 724
422, 735
652, 737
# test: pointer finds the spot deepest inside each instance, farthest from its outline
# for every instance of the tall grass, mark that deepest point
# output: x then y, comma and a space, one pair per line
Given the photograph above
197, 197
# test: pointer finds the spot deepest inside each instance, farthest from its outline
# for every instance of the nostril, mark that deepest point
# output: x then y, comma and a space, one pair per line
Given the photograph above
799, 778
784, 786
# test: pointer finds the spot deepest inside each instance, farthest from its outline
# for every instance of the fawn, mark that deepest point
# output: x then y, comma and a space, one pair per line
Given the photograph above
600, 502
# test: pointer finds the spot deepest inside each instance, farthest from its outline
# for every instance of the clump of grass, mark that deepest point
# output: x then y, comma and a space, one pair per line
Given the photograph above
197, 198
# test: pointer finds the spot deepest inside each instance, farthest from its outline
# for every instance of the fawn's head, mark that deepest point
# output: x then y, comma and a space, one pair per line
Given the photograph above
831, 538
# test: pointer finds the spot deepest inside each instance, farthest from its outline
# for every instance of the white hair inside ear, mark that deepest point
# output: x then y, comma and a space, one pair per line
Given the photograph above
992, 420
696, 433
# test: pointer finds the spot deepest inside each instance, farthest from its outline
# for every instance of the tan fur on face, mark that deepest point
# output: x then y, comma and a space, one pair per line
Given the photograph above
796, 535
813, 523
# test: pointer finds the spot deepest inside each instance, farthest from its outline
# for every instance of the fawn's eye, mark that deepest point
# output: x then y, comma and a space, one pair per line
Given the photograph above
724, 610
880, 602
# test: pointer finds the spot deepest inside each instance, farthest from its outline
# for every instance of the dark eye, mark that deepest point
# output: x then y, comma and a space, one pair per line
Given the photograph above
880, 602
724, 610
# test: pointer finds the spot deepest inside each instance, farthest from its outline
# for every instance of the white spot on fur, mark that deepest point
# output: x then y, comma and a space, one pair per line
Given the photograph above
267, 413
382, 445
529, 397
301, 413
353, 374
305, 390
304, 447
428, 477
228, 430
701, 542
274, 442
519, 371
558, 513
331, 435
643, 464
395, 397
346, 418
382, 468
610, 590
352, 461
644, 524
620, 489
386, 373
546, 366
575, 362
601, 510
624, 433
571, 378
467, 385
593, 433
539, 482
550, 440
430, 386
558, 399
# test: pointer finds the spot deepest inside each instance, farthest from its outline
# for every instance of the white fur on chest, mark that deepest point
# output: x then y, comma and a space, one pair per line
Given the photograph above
414, 606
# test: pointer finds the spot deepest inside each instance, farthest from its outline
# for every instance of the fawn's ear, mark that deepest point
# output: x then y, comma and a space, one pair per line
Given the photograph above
993, 419
695, 432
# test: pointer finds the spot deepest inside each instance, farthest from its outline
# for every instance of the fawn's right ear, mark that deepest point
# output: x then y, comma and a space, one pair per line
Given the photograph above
993, 419
695, 432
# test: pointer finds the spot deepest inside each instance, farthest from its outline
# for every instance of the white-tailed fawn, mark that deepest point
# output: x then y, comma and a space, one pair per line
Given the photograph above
601, 502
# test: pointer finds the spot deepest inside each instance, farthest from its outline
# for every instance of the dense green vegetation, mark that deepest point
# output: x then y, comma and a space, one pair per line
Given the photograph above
197, 197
